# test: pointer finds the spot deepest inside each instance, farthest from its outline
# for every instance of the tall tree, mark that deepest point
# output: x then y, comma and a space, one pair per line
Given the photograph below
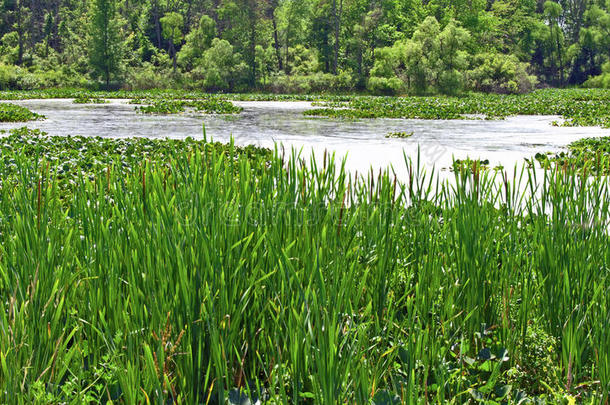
22, 18
273, 5
172, 24
552, 12
322, 28
105, 51
337, 13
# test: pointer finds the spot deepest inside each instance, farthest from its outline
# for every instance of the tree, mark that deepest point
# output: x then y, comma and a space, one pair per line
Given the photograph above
321, 33
431, 58
197, 41
593, 46
105, 51
453, 58
219, 65
48, 29
22, 18
552, 13
337, 13
172, 24
562, 41
272, 7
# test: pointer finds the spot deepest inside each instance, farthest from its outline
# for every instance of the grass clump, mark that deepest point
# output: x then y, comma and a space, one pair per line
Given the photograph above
15, 113
212, 274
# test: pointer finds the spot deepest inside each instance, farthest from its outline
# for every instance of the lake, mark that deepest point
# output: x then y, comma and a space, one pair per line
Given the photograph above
503, 142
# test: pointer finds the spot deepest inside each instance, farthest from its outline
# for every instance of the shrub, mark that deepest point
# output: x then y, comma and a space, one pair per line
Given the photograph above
602, 81
148, 77
18, 78
500, 73
316, 83
220, 68
385, 86
451, 82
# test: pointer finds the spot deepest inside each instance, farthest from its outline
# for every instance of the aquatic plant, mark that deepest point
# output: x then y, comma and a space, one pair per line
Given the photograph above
400, 134
76, 156
208, 274
15, 113
578, 107
89, 100
586, 156
209, 106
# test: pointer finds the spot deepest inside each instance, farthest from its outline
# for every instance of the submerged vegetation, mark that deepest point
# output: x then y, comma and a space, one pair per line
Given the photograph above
15, 113
188, 272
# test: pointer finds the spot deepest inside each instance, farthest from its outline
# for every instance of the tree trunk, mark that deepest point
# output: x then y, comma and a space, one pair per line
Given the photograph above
187, 20
36, 22
276, 44
561, 78
287, 46
253, 48
336, 24
172, 51
157, 23
20, 33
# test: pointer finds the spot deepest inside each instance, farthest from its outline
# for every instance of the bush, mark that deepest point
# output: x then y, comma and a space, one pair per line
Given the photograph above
385, 86
148, 77
451, 82
602, 81
220, 68
18, 78
302, 61
312, 83
500, 73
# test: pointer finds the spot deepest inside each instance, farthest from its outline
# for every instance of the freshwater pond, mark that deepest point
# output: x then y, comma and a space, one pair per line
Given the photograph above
503, 142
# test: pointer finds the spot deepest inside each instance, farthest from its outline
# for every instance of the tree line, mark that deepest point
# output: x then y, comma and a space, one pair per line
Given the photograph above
384, 46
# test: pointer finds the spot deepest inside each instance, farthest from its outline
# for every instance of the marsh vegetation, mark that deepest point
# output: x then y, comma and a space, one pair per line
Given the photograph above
137, 270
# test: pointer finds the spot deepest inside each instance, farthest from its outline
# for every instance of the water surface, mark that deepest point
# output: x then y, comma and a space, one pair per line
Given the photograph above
503, 142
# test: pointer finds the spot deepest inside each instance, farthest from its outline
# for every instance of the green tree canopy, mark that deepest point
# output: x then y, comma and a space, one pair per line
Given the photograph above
105, 47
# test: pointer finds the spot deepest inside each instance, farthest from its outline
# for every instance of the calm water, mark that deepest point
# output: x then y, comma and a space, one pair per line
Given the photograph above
505, 142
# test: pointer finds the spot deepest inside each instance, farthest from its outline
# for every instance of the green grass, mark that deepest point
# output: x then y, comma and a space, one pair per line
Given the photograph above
16, 113
73, 156
202, 273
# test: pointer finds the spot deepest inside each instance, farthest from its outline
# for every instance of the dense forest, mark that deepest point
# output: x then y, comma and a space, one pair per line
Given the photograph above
381, 46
